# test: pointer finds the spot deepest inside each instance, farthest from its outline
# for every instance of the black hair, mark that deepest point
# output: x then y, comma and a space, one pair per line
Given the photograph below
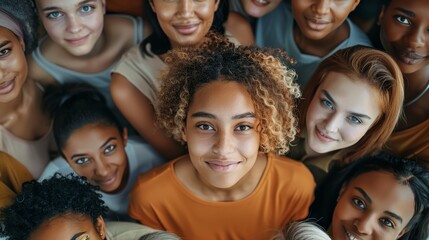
39, 202
159, 41
407, 172
24, 12
73, 106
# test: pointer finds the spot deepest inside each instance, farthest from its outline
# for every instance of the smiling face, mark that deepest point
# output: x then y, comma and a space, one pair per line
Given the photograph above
13, 66
70, 227
185, 22
317, 19
258, 8
404, 33
75, 25
221, 133
372, 210
340, 113
97, 152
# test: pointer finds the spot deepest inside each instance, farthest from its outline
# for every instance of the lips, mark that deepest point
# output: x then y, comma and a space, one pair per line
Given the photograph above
77, 40
186, 29
107, 181
222, 166
7, 86
411, 58
260, 3
349, 235
324, 137
316, 24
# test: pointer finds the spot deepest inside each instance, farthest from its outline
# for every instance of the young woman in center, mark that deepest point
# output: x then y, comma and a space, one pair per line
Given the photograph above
233, 107
136, 79
349, 109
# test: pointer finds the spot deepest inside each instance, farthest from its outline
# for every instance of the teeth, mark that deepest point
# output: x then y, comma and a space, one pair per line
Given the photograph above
351, 237
261, 1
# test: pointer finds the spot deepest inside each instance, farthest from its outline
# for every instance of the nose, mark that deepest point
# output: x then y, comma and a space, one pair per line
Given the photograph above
73, 24
102, 168
321, 7
333, 123
224, 144
416, 38
365, 224
185, 8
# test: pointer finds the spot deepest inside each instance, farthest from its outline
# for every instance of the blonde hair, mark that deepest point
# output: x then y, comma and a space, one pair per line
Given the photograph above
381, 72
262, 71
302, 231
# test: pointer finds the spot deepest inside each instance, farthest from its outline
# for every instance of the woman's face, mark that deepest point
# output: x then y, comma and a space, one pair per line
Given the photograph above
340, 113
70, 227
75, 25
97, 152
259, 8
404, 33
185, 22
221, 133
13, 66
373, 206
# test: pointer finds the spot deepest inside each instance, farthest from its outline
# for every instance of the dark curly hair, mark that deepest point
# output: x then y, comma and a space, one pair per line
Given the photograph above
25, 12
41, 201
263, 71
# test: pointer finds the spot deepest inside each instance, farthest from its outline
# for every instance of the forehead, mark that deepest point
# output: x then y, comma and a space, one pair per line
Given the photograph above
386, 193
351, 93
6, 34
418, 7
63, 227
91, 136
222, 96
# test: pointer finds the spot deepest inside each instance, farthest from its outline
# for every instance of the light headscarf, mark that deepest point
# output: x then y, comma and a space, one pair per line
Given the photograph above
9, 22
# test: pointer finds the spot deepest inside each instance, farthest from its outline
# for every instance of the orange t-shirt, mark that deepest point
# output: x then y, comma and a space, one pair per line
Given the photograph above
284, 194
411, 142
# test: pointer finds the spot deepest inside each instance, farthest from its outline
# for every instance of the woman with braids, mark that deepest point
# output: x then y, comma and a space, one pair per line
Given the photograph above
135, 81
63, 208
233, 107
349, 108
25, 130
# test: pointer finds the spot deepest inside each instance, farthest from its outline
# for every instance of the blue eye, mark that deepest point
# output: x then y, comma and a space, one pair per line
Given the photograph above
359, 203
86, 8
402, 19
81, 161
109, 148
205, 127
354, 120
327, 103
4, 52
54, 15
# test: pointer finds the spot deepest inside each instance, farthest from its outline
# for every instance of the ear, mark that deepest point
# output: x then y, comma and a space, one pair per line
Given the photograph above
103, 4
184, 138
101, 227
217, 4
125, 136
152, 5
355, 5
405, 230
381, 15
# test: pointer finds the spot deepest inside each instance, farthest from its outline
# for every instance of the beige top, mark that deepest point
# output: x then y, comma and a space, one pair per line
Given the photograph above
126, 230
34, 155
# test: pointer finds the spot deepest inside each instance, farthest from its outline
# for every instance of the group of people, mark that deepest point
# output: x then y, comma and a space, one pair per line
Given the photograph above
213, 119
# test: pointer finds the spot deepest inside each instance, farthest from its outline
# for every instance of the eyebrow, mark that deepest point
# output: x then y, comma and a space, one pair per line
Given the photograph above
209, 115
102, 146
86, 1
406, 12
77, 235
368, 199
4, 43
57, 8
328, 96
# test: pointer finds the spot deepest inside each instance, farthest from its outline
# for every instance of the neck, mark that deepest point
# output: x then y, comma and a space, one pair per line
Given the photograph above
415, 82
329, 42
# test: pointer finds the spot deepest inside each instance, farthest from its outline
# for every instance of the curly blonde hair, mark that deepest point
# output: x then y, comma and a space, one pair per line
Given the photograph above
264, 73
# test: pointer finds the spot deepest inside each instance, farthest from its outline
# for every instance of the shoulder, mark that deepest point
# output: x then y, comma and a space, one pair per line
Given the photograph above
57, 165
357, 36
240, 29
36, 70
